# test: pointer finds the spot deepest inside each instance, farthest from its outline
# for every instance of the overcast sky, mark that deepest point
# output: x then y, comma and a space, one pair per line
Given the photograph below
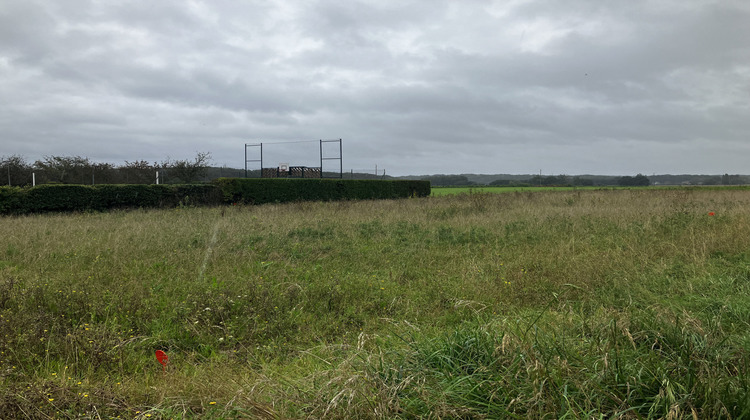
415, 87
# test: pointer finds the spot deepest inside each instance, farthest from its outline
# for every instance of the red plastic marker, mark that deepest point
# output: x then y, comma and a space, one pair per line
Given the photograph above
163, 359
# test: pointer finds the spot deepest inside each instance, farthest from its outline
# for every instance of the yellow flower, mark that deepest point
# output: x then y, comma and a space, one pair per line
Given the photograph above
50, 399
212, 403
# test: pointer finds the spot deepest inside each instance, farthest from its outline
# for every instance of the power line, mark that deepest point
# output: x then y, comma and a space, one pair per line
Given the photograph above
290, 142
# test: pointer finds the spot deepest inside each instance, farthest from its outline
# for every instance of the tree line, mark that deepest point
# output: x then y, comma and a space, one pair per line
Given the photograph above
15, 170
510, 180
538, 181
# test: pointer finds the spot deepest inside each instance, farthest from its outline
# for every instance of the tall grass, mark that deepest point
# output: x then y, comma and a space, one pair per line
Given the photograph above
619, 303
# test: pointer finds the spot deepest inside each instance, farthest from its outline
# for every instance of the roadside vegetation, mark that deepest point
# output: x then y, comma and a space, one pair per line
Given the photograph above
549, 304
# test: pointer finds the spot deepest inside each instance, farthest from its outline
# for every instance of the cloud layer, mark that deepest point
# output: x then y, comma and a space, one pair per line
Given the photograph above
415, 87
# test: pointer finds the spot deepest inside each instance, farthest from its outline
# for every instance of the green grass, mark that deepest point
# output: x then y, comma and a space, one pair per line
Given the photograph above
577, 304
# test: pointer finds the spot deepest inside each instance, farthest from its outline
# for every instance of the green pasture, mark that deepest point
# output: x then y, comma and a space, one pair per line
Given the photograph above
618, 303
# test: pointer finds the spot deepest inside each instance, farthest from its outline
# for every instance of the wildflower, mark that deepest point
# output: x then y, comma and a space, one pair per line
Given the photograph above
711, 213
212, 403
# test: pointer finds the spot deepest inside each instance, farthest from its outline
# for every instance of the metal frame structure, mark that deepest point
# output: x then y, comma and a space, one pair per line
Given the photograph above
266, 172
339, 158
254, 160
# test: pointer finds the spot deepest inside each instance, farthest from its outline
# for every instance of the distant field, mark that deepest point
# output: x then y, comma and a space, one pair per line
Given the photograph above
439, 191
569, 304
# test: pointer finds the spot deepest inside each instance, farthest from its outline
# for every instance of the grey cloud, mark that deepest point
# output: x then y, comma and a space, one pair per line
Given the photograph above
583, 86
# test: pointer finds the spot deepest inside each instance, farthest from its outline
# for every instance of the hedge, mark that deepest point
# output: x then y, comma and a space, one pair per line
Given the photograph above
60, 197
57, 197
10, 199
259, 191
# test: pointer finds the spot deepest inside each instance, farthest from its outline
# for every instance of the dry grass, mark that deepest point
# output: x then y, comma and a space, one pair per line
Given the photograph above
619, 303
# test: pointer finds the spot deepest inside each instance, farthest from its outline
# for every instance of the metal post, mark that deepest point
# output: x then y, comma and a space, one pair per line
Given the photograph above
339, 158
247, 172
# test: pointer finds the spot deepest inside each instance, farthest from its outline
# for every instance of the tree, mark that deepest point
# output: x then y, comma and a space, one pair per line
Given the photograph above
103, 173
14, 170
551, 180
65, 169
639, 180
727, 179
138, 172
714, 180
189, 171
448, 180
582, 182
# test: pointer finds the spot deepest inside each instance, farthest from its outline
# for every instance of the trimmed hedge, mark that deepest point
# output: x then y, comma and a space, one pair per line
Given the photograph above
56, 197
10, 199
259, 191
60, 197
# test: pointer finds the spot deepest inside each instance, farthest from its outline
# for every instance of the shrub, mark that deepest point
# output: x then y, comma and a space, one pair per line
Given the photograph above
57, 197
258, 191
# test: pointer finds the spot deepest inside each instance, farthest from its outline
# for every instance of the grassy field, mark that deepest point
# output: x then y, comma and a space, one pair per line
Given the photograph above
441, 191
578, 304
